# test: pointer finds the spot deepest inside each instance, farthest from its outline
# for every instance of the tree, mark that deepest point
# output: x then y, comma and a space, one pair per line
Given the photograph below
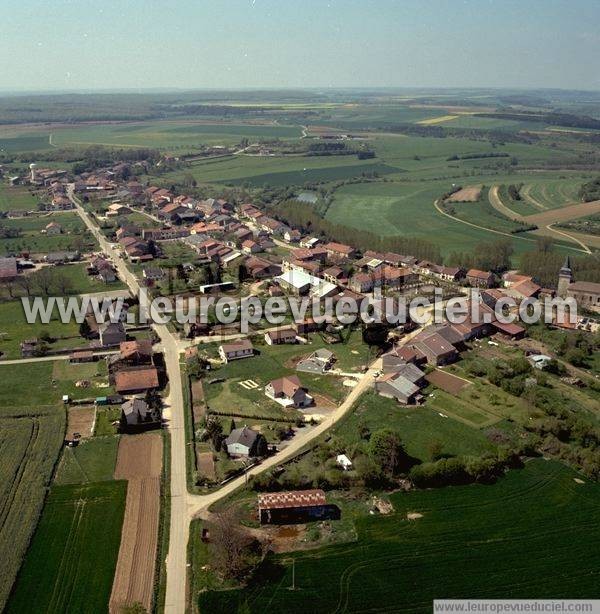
435, 449
387, 452
232, 426
43, 280
233, 552
64, 283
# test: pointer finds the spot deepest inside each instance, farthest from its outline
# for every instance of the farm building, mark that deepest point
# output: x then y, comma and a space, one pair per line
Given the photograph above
135, 380
295, 506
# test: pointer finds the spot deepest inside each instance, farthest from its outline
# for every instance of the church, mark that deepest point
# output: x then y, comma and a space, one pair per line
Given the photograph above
586, 293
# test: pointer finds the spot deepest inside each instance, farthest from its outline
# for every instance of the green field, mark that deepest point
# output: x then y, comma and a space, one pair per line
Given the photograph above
71, 562
74, 235
418, 427
25, 142
92, 460
30, 441
170, 135
551, 194
37, 384
17, 198
528, 536
407, 208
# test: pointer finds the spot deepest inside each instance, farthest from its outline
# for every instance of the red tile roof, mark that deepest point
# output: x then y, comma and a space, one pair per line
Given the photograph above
294, 498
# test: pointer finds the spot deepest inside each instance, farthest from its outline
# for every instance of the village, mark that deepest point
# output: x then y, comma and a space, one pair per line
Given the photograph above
251, 400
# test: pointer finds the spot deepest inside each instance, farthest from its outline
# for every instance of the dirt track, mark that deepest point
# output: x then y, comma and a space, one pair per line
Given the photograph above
139, 461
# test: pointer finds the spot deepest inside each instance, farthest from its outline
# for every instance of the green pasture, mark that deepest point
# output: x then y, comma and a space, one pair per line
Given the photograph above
31, 436
71, 562
515, 534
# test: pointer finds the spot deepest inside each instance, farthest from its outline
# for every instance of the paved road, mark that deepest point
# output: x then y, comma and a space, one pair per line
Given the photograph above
175, 600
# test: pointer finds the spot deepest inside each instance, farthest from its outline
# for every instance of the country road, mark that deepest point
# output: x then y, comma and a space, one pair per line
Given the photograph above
175, 600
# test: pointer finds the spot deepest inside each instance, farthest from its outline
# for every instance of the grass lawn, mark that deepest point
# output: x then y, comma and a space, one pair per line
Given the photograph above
71, 562
30, 439
33, 385
14, 329
418, 428
93, 460
410, 563
17, 197
74, 235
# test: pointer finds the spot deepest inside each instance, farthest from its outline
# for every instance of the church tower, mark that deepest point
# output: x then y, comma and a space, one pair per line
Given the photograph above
565, 278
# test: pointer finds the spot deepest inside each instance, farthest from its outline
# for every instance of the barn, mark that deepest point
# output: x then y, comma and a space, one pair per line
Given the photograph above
296, 506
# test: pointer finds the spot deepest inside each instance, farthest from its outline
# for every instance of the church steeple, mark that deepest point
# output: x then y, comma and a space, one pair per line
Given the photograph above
565, 278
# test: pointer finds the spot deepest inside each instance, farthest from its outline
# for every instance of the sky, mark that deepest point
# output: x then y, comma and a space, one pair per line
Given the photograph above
110, 44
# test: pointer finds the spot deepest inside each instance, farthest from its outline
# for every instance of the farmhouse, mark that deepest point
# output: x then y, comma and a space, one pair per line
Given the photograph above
278, 337
136, 379
480, 279
245, 442
138, 352
436, 349
295, 506
234, 351
339, 251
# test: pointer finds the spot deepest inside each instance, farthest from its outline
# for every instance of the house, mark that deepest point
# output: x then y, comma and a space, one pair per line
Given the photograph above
236, 350
136, 379
138, 352
300, 283
291, 236
137, 415
319, 361
52, 229
344, 462
251, 247
436, 349
152, 274
117, 209
245, 442
309, 242
339, 251
480, 279
259, 268
308, 325
335, 275
288, 391
279, 337
298, 506
403, 384
111, 333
